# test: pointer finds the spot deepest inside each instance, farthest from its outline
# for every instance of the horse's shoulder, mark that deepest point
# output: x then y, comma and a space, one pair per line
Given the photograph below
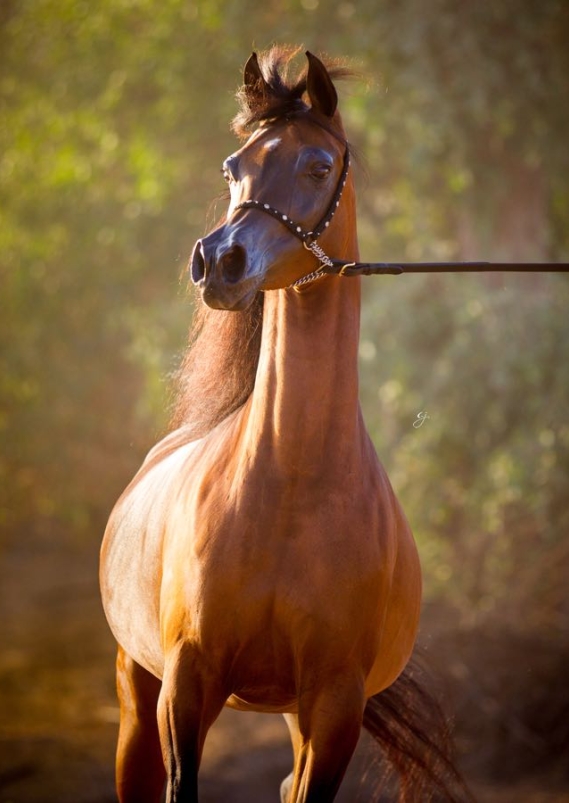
178, 438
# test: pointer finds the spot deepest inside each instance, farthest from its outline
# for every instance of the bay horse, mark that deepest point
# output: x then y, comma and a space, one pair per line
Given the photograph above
259, 559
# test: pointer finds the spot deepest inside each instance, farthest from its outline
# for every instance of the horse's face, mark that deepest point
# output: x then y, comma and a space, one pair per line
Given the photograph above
294, 166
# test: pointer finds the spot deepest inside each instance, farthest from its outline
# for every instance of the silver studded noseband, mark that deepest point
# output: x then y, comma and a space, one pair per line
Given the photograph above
309, 238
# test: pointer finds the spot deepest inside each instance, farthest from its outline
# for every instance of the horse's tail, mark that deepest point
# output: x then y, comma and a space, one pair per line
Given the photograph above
408, 724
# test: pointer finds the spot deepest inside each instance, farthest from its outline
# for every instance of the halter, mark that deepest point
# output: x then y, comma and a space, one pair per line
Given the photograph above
309, 238
330, 266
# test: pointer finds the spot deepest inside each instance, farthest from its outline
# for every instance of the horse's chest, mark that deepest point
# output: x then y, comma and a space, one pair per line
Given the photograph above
278, 552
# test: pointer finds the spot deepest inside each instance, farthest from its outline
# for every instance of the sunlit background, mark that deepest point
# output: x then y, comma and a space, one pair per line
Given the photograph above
114, 121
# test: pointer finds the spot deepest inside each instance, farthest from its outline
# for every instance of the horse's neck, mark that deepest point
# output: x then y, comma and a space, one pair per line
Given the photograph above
304, 406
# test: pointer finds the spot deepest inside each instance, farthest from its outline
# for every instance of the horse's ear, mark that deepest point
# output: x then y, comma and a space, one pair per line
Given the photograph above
321, 90
254, 83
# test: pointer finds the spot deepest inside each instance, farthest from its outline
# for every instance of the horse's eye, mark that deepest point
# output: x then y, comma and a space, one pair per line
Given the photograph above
320, 171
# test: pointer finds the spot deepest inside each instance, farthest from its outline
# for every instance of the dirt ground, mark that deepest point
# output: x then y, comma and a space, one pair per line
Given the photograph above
58, 712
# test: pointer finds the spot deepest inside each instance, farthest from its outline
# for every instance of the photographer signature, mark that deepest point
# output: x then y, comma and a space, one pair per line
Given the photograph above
420, 420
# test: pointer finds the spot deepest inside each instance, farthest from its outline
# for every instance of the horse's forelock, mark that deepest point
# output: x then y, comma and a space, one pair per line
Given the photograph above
283, 95
280, 97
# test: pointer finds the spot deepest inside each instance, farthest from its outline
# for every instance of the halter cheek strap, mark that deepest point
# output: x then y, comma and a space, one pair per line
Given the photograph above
309, 238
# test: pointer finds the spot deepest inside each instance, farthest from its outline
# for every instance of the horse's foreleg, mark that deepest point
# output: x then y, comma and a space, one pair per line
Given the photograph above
296, 739
140, 771
190, 701
324, 737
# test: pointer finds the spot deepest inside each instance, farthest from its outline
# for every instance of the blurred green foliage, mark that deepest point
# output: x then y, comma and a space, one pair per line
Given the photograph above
114, 122
472, 425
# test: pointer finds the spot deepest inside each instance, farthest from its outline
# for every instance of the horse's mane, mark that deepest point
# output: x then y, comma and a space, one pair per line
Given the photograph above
218, 371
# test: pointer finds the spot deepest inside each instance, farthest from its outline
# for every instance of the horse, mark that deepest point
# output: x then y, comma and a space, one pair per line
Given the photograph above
259, 559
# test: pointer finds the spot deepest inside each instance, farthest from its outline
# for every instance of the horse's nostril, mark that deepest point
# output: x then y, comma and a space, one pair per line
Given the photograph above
233, 263
197, 263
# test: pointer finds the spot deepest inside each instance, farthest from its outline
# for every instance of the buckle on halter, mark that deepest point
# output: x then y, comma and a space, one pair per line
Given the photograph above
344, 268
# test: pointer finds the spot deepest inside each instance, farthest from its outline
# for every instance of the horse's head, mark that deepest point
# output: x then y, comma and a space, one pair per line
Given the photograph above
293, 166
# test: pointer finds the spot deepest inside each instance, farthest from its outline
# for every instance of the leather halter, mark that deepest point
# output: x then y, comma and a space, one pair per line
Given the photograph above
330, 266
309, 238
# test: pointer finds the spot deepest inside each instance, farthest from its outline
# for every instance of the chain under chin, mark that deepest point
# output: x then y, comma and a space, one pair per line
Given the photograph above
325, 262
311, 277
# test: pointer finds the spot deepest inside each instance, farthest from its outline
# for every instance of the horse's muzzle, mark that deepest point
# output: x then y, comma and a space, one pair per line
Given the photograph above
229, 264
219, 270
